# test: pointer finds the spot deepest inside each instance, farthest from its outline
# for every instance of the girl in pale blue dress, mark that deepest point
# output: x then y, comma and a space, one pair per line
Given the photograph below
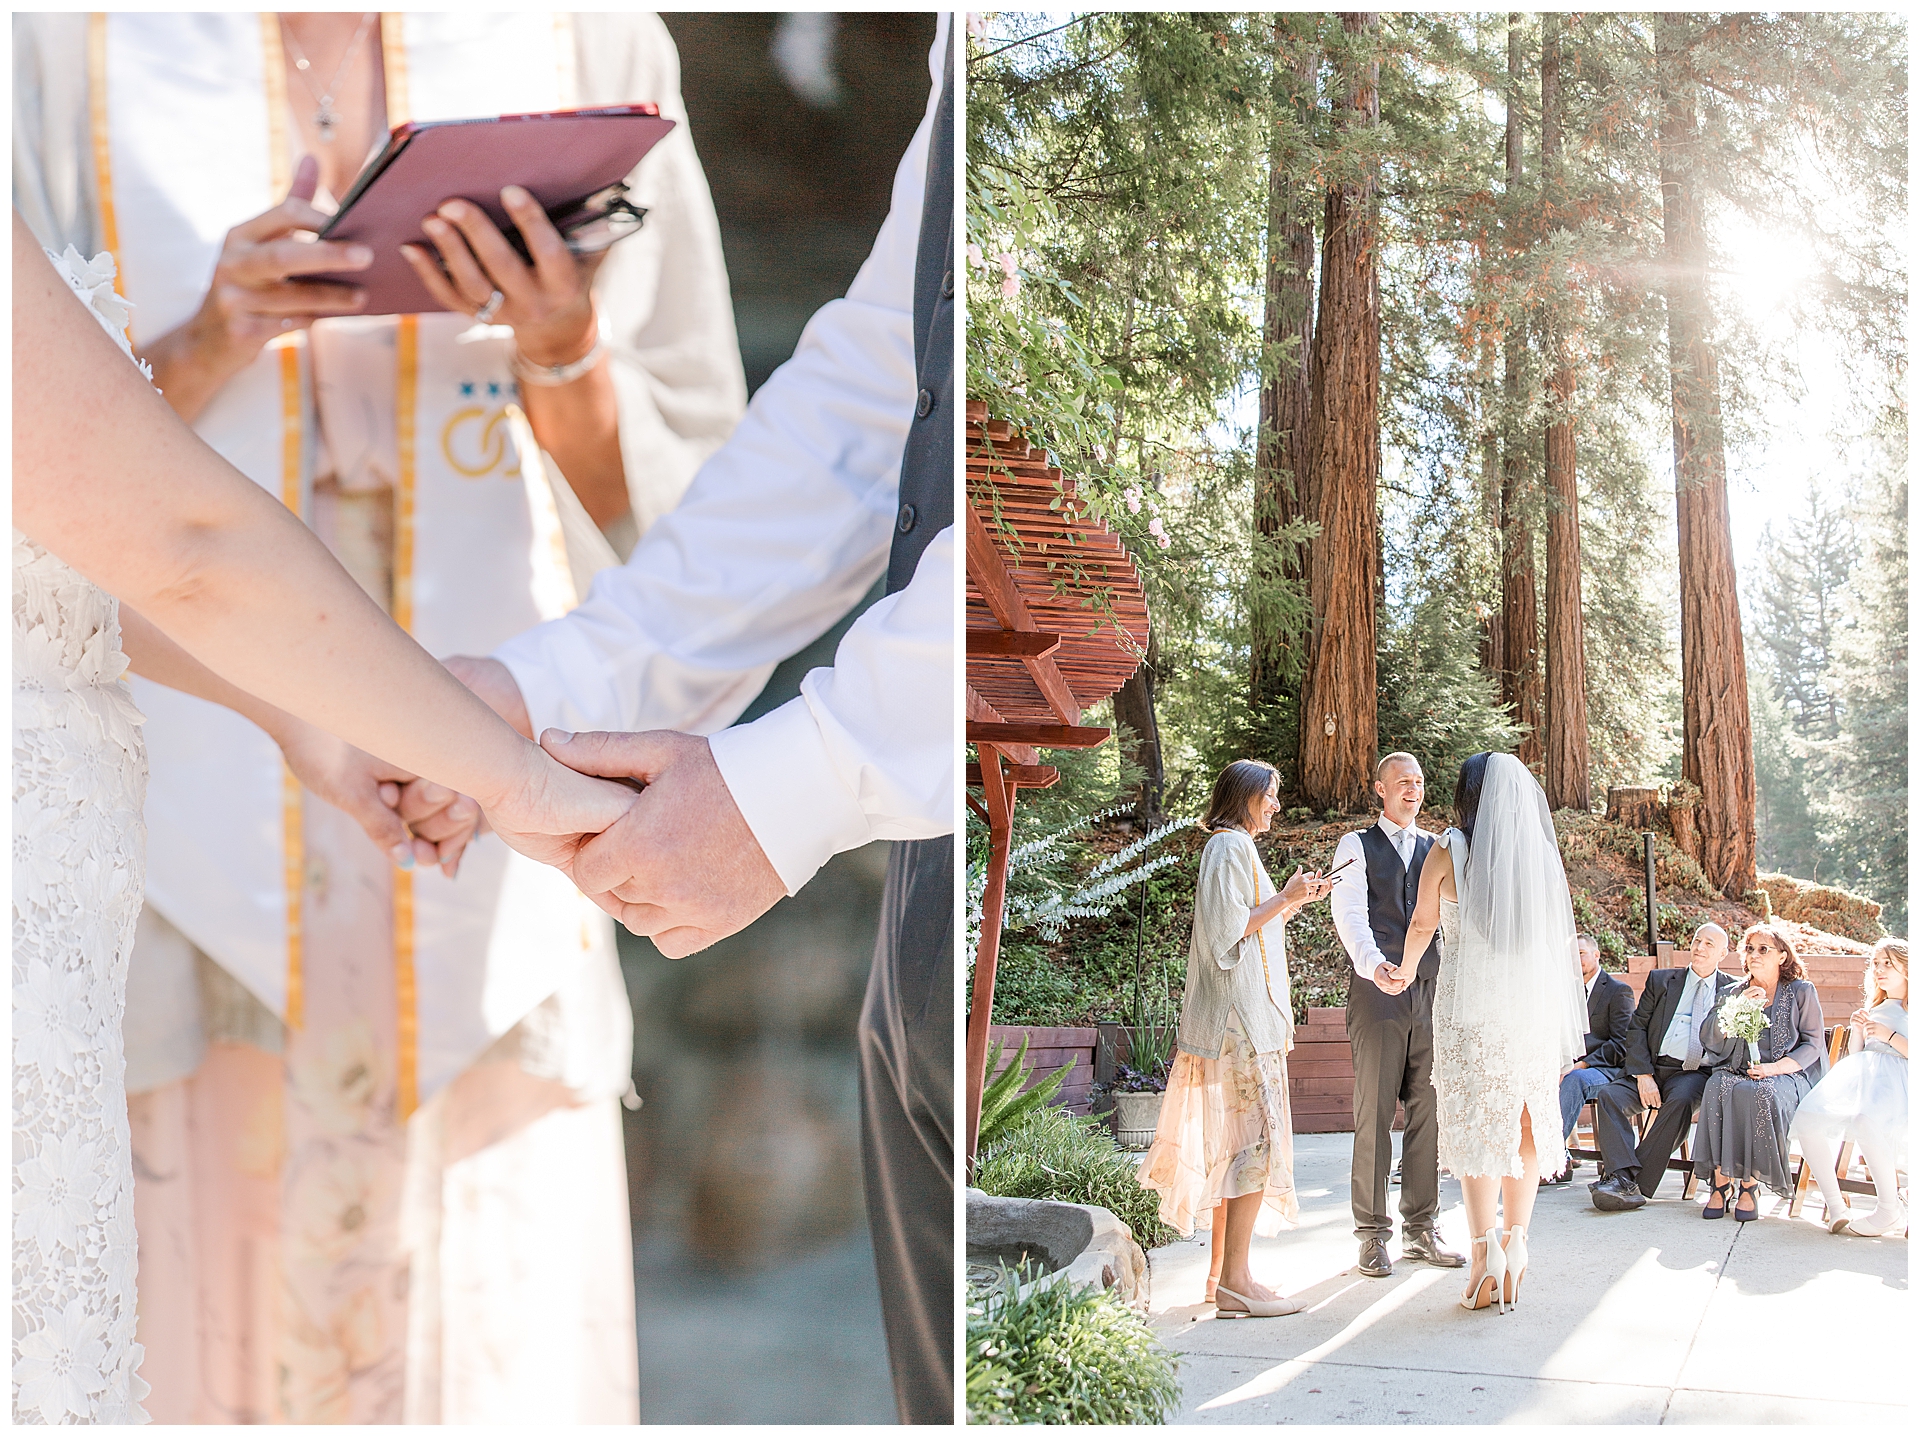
1864, 1100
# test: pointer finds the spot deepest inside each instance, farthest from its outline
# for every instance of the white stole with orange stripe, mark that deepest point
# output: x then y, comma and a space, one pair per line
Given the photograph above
191, 138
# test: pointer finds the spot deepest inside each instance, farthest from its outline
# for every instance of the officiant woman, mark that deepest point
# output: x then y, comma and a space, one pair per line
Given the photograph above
375, 1111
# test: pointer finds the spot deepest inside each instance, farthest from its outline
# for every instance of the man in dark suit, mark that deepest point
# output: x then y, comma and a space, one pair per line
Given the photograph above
1390, 1023
1609, 1012
1664, 1069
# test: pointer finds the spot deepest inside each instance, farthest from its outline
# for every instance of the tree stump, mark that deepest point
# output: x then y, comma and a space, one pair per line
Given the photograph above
1686, 833
1634, 808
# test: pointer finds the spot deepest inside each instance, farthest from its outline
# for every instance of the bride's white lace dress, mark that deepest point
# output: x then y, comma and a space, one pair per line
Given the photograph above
1495, 1050
79, 781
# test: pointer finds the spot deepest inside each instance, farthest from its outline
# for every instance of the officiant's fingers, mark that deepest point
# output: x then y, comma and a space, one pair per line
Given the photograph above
470, 282
431, 276
553, 262
501, 267
297, 301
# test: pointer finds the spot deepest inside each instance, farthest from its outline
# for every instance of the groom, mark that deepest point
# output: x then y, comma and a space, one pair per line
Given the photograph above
1390, 1023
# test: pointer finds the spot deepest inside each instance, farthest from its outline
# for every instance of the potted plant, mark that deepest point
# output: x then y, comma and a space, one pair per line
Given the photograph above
1140, 1080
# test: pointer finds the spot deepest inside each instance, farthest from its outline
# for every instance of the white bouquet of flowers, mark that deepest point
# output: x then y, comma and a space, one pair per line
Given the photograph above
1745, 1016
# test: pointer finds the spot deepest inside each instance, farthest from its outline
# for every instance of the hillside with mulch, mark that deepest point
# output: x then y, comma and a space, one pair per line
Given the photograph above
1087, 976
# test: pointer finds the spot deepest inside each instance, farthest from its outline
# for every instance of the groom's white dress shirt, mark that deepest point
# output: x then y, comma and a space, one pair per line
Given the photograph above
780, 534
1349, 897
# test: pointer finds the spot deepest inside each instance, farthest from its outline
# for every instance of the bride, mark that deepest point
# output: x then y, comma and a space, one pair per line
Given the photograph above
1508, 1013
115, 500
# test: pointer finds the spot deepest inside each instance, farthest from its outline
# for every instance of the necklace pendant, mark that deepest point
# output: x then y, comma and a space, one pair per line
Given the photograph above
324, 120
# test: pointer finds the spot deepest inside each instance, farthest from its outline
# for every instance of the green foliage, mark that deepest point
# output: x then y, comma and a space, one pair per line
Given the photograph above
1003, 1105
1056, 1354
1053, 1154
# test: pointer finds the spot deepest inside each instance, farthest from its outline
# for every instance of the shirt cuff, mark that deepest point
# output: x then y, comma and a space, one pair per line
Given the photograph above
563, 679
781, 775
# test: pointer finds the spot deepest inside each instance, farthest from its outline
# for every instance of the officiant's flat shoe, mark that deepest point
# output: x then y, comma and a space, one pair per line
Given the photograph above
1231, 1304
1616, 1192
1422, 1246
1374, 1261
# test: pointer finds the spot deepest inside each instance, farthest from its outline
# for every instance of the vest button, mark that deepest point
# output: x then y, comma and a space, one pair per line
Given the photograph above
946, 286
924, 405
907, 515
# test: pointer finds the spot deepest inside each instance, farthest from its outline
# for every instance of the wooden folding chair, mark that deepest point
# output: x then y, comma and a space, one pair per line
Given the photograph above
1681, 1162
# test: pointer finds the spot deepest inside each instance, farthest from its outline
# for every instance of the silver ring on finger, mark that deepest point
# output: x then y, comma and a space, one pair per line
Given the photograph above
486, 312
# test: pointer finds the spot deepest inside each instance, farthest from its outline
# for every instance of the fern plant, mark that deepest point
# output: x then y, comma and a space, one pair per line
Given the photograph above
1002, 1103
1093, 895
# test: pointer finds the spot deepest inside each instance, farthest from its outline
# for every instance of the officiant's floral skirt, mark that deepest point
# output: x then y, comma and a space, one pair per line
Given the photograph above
1225, 1131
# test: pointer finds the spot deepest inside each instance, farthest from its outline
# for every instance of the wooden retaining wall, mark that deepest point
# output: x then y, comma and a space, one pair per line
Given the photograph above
1049, 1049
1835, 977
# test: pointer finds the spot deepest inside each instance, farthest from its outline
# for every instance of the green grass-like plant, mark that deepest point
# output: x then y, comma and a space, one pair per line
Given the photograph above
1053, 1154
1058, 1354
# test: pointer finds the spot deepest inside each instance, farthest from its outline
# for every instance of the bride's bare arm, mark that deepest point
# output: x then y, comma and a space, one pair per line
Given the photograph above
1426, 909
107, 478
365, 788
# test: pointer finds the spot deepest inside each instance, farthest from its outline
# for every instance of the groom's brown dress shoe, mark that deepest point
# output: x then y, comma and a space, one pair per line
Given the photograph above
1420, 1245
1374, 1261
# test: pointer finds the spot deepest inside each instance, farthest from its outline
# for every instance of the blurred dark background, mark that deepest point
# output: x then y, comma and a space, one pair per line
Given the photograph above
752, 1264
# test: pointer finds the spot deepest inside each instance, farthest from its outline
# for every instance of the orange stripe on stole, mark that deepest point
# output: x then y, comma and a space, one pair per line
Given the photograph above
292, 801
406, 425
102, 145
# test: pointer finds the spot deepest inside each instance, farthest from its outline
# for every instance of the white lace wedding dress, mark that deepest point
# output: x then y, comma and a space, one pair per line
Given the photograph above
79, 781
1509, 1012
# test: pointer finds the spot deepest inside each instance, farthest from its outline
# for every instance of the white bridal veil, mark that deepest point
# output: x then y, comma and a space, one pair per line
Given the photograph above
1517, 967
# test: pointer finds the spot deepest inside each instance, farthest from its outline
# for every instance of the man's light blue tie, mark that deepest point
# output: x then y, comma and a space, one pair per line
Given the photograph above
1702, 1005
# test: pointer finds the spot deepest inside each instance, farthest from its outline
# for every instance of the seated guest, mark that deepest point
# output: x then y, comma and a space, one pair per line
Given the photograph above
1609, 1012
1864, 1100
1664, 1067
1750, 1100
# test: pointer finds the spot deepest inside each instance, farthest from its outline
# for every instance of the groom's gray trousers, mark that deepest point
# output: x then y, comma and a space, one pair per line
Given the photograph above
1392, 1038
906, 1028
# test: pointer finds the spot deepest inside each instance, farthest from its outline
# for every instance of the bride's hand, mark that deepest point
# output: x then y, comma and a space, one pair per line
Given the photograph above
552, 810
370, 791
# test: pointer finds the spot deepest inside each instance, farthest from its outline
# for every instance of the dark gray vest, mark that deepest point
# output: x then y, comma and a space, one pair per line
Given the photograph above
926, 467
1391, 894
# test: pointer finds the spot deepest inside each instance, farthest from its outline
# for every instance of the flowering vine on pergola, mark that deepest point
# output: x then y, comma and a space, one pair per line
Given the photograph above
1056, 621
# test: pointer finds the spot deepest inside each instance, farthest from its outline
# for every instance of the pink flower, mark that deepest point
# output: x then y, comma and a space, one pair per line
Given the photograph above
1132, 495
1009, 263
1158, 530
1165, 542
1010, 287
976, 25
976, 256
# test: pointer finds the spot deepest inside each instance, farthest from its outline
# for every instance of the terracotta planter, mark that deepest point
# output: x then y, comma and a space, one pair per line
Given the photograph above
1135, 1115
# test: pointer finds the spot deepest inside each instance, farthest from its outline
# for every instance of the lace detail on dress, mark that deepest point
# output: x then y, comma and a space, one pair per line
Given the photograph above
1484, 1074
79, 781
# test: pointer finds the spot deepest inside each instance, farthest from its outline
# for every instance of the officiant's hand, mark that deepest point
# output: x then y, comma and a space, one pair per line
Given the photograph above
681, 867
550, 306
254, 297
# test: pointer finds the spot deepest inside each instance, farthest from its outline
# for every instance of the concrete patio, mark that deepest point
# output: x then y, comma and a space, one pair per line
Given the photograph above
1645, 1317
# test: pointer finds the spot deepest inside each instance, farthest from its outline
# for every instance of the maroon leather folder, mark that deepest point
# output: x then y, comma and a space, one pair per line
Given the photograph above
560, 157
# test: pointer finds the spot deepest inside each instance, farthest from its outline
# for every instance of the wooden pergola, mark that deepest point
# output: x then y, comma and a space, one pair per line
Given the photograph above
1056, 621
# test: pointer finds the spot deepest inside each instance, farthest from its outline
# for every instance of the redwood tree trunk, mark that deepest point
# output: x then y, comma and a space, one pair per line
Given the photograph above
1339, 725
1567, 753
1717, 752
1519, 612
1133, 707
1280, 473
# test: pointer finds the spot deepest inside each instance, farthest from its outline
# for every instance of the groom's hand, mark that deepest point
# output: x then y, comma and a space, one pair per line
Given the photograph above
681, 867
1386, 977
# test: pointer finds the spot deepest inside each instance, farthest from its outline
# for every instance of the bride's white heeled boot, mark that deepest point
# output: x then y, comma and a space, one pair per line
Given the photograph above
1516, 1263
1487, 1289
